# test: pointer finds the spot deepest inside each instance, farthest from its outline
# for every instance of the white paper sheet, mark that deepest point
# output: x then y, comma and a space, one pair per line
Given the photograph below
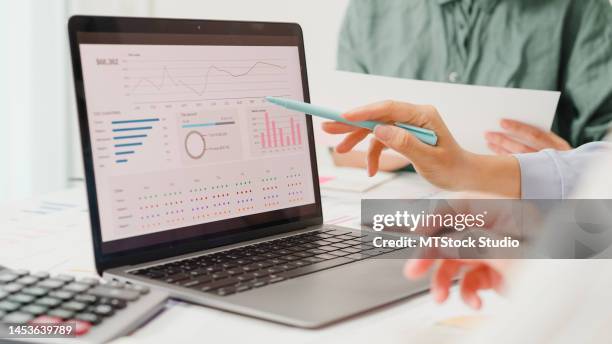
468, 110
49, 232
351, 179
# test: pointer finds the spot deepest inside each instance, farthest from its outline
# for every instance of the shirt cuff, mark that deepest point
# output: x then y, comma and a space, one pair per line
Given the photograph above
540, 178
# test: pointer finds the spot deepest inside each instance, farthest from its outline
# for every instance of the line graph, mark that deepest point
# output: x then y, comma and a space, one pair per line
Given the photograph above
166, 75
171, 81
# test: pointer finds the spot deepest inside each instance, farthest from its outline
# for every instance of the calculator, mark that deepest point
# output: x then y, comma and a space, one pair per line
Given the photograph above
43, 308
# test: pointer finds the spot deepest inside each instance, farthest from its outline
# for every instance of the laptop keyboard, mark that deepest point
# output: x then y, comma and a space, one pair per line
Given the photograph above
253, 266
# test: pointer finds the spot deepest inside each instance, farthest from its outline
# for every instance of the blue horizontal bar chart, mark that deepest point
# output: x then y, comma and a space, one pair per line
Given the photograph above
129, 137
132, 129
128, 144
136, 121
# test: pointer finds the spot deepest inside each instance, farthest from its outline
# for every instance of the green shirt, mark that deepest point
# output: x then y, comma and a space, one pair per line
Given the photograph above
561, 45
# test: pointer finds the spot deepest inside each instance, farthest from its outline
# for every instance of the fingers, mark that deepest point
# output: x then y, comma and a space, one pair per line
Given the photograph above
517, 132
497, 281
443, 279
507, 143
401, 141
390, 111
416, 268
559, 143
374, 152
473, 281
351, 140
479, 276
537, 138
498, 149
337, 128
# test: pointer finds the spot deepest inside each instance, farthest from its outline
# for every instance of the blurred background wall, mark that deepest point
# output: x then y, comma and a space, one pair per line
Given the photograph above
39, 143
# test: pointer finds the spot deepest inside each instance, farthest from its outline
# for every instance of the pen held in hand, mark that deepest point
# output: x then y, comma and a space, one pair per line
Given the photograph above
425, 135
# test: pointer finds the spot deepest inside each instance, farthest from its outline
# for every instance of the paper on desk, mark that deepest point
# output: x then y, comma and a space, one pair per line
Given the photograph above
49, 232
341, 210
351, 179
468, 110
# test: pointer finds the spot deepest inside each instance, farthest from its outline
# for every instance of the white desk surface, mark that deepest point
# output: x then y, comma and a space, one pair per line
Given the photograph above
51, 232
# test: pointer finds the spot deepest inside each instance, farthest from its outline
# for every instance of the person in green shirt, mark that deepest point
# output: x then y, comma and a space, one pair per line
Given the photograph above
560, 45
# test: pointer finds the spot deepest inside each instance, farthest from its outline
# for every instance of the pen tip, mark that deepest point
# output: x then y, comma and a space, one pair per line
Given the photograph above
272, 100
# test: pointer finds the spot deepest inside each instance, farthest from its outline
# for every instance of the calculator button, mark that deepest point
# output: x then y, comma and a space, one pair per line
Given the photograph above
115, 284
12, 287
90, 281
115, 303
103, 310
123, 294
17, 318
8, 306
50, 284
64, 278
85, 298
73, 306
35, 291
76, 287
27, 280
7, 277
48, 302
61, 313
33, 309
61, 294
139, 288
21, 298
118, 304
88, 317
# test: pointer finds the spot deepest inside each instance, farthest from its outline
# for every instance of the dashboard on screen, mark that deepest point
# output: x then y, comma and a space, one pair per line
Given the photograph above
181, 134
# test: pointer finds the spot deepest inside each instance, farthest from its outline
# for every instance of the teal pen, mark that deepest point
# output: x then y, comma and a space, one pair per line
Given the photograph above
425, 135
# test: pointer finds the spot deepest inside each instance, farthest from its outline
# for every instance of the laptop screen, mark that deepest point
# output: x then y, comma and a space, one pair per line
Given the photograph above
183, 143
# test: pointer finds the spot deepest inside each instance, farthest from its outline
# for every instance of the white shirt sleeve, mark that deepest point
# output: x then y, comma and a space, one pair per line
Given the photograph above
551, 174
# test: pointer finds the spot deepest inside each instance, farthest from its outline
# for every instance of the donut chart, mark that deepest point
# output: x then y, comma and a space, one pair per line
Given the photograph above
195, 145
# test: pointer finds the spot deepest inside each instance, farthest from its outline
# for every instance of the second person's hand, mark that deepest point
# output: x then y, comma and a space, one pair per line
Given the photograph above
475, 275
520, 137
445, 165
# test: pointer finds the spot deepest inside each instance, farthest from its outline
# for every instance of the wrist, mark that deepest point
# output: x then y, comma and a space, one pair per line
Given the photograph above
492, 174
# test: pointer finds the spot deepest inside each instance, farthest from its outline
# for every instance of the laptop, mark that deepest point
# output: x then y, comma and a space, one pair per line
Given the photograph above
198, 187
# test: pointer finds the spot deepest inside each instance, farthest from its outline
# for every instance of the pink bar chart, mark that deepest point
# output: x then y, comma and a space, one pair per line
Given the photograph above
275, 135
276, 131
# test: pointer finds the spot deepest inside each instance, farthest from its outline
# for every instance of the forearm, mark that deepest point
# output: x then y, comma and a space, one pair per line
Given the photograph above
550, 174
492, 174
547, 174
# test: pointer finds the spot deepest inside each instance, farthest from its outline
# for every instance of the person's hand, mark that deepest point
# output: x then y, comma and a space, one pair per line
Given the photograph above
519, 137
445, 165
437, 164
478, 274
